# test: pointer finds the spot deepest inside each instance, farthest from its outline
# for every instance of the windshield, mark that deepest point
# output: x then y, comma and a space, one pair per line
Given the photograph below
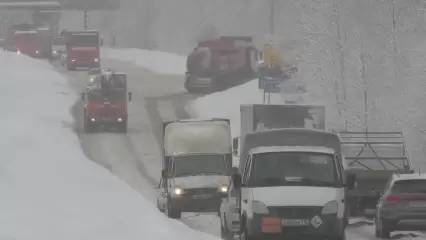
195, 165
293, 169
85, 40
409, 186
102, 95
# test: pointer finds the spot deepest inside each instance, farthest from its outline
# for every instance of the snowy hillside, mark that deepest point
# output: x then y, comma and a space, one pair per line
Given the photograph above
50, 190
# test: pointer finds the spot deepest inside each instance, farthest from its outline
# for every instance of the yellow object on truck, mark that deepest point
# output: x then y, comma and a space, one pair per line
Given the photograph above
271, 56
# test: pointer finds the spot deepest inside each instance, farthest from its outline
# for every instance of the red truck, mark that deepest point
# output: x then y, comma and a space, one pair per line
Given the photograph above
221, 63
106, 99
27, 43
83, 49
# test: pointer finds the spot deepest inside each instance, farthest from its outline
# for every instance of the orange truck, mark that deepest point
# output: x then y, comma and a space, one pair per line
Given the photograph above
83, 49
220, 63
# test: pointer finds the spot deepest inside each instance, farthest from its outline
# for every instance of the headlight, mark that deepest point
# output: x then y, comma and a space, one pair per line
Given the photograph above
19, 52
330, 208
37, 52
223, 189
96, 60
259, 207
178, 191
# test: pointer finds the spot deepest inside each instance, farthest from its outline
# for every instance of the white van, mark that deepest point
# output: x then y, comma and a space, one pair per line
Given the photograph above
289, 191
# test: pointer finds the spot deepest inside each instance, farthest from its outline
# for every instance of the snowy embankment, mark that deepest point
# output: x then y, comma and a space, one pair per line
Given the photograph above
50, 190
159, 62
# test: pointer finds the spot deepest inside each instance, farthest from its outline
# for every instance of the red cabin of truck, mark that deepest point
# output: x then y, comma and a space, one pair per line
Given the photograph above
83, 49
27, 42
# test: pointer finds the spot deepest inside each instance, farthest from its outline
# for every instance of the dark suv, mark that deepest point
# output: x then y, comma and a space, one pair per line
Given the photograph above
402, 206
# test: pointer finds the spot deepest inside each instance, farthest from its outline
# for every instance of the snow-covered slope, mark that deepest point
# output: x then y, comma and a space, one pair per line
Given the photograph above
156, 61
49, 189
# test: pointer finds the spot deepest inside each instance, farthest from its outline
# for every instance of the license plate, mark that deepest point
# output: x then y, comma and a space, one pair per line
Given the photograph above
204, 80
202, 196
295, 222
418, 204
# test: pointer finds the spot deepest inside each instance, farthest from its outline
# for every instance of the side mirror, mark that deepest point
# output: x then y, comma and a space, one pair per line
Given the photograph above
236, 180
235, 142
83, 96
164, 173
350, 181
130, 96
101, 42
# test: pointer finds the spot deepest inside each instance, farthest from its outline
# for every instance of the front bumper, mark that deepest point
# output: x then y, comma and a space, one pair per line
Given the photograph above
106, 120
330, 227
194, 202
84, 63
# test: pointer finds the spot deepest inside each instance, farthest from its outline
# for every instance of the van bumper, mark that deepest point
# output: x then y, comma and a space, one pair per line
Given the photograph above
330, 227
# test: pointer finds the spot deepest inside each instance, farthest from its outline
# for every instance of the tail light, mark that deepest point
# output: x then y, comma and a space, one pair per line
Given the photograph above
393, 199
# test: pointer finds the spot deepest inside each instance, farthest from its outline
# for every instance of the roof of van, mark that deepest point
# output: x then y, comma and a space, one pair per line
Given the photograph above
271, 149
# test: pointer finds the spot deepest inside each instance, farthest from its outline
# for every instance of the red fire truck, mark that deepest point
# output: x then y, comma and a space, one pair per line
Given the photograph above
106, 99
221, 63
27, 43
83, 49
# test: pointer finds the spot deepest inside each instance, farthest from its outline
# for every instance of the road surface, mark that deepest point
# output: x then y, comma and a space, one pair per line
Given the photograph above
135, 157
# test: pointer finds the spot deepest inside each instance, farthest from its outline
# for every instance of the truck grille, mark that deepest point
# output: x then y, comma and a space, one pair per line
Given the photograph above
295, 212
194, 191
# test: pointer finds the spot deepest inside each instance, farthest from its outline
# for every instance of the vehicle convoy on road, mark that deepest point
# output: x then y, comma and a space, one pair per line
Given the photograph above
106, 101
290, 183
82, 49
402, 205
216, 64
374, 157
197, 164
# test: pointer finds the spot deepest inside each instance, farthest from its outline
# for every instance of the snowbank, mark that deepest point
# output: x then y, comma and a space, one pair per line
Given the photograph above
49, 189
159, 62
226, 104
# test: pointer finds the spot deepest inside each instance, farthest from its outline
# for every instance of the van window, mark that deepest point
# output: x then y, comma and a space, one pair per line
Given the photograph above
294, 169
409, 186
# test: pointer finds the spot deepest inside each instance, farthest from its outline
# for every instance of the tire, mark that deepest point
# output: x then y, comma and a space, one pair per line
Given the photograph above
173, 212
159, 209
88, 126
383, 231
70, 68
122, 127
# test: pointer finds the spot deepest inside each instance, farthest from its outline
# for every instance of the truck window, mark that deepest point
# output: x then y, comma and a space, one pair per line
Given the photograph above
85, 40
293, 169
194, 165
409, 186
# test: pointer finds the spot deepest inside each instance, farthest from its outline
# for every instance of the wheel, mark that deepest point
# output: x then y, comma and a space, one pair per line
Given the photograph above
172, 212
382, 231
88, 126
159, 208
70, 68
122, 127
224, 232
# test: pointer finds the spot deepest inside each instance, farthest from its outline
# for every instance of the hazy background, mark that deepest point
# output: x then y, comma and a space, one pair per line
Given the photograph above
390, 32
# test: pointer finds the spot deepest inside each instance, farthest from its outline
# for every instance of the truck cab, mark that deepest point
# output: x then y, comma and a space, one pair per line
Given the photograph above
27, 43
197, 162
105, 102
83, 49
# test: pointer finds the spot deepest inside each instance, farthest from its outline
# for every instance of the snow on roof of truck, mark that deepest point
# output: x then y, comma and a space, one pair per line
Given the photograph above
271, 149
199, 119
26, 32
